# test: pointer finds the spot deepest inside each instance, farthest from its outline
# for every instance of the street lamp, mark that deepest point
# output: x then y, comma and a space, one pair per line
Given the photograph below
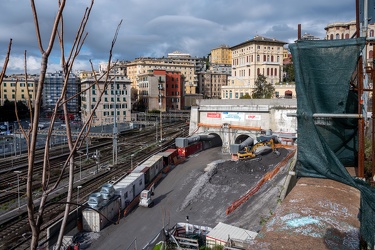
78, 188
18, 186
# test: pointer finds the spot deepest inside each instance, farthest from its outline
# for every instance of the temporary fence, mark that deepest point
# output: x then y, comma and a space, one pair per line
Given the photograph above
269, 175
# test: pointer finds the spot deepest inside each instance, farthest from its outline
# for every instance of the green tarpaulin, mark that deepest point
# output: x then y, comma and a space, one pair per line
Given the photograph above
323, 71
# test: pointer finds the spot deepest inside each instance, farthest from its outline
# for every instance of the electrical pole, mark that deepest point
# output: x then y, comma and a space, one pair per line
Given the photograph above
115, 125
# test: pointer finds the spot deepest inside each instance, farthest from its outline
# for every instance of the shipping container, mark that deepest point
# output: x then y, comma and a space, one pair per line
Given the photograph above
96, 220
151, 168
129, 187
168, 156
189, 150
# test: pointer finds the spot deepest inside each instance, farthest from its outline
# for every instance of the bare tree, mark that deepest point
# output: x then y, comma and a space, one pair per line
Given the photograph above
35, 216
2, 74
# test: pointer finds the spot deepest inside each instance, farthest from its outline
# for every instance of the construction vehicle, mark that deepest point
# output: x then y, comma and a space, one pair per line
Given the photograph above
258, 149
145, 197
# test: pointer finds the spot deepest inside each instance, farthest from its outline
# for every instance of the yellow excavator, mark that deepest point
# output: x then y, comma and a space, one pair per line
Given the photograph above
250, 152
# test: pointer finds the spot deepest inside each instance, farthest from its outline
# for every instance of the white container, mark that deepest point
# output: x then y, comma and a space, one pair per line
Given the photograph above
129, 187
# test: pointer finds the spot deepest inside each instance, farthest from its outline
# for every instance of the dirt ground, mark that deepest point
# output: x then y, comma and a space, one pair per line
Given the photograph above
224, 181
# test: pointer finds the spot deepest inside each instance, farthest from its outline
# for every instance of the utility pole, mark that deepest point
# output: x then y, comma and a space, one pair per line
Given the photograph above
114, 160
18, 187
160, 87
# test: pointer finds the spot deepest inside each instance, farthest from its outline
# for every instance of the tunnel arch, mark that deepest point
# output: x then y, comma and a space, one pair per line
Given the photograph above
217, 141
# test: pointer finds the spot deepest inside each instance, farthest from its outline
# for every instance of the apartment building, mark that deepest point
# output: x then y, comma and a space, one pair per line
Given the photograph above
210, 84
175, 62
221, 55
114, 104
53, 86
259, 55
16, 88
161, 90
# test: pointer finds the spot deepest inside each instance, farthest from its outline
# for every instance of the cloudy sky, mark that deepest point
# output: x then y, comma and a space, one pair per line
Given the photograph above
155, 28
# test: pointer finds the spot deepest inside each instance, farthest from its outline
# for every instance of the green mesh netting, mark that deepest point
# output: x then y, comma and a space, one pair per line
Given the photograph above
323, 70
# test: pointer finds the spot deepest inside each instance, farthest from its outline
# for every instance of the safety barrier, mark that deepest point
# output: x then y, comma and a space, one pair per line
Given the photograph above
253, 190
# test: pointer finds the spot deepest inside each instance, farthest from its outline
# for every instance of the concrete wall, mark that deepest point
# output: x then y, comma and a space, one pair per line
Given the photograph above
217, 117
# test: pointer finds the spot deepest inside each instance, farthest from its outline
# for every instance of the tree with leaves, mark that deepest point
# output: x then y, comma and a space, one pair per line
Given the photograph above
245, 96
289, 71
263, 90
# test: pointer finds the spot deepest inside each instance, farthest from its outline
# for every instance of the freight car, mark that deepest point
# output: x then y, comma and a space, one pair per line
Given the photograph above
190, 149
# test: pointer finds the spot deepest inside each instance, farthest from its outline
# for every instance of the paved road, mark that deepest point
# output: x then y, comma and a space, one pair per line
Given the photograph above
143, 223
190, 190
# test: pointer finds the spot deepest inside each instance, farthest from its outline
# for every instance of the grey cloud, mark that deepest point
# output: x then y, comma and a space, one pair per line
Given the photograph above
155, 28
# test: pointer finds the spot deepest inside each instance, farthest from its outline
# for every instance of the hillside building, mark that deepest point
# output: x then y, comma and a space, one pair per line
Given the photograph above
221, 55
258, 56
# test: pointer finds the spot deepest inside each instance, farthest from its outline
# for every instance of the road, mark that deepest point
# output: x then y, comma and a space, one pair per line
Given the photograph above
190, 189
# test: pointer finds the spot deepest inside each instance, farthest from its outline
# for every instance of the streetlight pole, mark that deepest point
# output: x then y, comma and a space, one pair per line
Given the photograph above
18, 187
78, 188
114, 160
80, 167
87, 144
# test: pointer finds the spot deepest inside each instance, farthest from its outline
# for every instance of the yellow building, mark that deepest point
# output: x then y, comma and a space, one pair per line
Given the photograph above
221, 55
258, 56
14, 88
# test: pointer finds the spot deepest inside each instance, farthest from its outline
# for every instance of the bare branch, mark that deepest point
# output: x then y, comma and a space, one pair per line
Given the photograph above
5, 67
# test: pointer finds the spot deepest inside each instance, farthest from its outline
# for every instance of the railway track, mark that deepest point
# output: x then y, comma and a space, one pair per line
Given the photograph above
15, 234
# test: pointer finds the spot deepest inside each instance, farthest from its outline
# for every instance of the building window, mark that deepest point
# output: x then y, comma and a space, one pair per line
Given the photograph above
337, 36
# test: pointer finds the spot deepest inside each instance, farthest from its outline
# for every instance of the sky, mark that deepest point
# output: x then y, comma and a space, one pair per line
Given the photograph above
155, 28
